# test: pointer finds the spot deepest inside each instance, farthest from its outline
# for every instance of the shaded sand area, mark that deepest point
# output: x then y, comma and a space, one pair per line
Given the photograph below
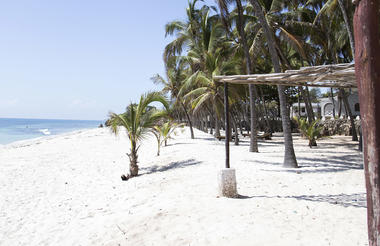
66, 190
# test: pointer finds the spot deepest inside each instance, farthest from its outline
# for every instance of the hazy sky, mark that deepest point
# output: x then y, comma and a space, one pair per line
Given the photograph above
79, 59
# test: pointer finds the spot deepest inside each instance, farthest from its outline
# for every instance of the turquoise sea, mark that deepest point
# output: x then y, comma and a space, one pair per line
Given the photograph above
12, 130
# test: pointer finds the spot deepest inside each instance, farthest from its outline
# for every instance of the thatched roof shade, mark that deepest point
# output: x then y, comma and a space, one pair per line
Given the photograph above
338, 75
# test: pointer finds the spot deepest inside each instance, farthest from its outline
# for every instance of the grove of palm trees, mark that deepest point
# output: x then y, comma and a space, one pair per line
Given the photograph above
252, 37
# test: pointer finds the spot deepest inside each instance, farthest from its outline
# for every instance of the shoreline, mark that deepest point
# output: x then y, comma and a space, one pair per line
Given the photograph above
45, 137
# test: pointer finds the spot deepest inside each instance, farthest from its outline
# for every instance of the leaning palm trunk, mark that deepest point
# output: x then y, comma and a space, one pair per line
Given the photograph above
188, 120
289, 157
348, 27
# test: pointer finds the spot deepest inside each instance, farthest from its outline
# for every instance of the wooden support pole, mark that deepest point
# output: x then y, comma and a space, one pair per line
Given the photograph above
227, 123
367, 68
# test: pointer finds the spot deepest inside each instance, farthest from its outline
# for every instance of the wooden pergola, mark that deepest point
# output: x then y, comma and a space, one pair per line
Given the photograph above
338, 75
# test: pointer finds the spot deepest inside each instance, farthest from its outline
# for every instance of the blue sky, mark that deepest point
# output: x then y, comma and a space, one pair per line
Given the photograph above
80, 59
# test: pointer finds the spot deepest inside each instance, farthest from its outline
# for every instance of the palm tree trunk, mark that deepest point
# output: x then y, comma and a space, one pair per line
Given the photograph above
248, 128
188, 120
217, 125
333, 101
309, 107
289, 157
253, 146
266, 116
235, 127
299, 102
211, 124
158, 148
133, 167
348, 27
349, 113
340, 104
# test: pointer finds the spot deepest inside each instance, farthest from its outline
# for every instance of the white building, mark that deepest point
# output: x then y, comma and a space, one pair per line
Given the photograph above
325, 107
303, 113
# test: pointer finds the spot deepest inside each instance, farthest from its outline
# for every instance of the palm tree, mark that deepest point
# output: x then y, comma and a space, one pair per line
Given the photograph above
212, 57
164, 132
223, 6
329, 7
138, 121
310, 130
186, 32
289, 157
176, 73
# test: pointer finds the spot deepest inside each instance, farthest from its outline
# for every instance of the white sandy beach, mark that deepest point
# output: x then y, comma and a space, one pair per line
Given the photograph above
66, 190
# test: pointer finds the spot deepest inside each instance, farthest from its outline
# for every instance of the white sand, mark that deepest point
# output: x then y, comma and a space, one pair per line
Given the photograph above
66, 190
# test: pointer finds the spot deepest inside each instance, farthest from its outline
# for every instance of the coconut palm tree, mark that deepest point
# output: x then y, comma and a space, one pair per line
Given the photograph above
329, 8
164, 132
309, 130
176, 73
240, 24
289, 157
213, 58
138, 121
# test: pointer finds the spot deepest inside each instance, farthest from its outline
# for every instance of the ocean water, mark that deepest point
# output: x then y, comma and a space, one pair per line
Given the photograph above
12, 130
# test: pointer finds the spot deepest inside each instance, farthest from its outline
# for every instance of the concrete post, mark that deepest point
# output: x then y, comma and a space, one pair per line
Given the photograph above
227, 183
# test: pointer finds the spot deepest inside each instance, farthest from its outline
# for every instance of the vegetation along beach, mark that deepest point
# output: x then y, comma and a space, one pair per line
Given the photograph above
219, 123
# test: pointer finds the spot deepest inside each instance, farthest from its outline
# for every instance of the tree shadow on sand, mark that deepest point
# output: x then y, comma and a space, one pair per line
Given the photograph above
320, 164
346, 200
323, 164
172, 165
357, 200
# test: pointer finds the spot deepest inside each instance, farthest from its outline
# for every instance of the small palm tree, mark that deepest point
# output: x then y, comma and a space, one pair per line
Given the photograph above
164, 132
138, 121
310, 131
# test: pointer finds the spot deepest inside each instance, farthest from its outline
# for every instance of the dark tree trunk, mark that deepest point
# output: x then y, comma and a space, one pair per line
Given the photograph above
349, 113
266, 116
211, 124
236, 134
278, 107
308, 105
248, 128
217, 125
253, 146
367, 64
188, 120
333, 101
204, 120
340, 104
289, 157
299, 102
